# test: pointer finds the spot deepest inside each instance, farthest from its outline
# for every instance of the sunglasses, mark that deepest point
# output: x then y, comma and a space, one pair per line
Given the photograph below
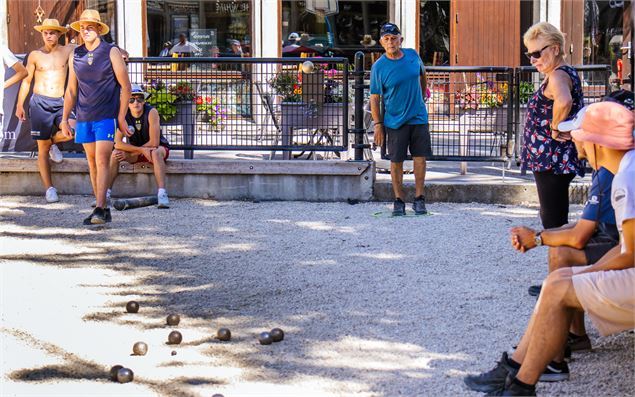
537, 54
138, 100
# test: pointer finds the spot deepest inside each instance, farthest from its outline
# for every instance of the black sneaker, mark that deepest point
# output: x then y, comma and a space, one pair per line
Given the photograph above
107, 215
98, 217
534, 290
555, 372
493, 380
513, 388
398, 208
419, 205
578, 343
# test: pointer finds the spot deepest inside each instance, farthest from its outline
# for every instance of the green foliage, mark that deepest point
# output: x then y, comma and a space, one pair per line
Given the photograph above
163, 101
526, 90
285, 84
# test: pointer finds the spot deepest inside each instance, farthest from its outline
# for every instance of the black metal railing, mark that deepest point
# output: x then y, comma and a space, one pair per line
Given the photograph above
277, 104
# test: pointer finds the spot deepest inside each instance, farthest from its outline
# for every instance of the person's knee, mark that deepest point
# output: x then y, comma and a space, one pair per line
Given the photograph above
557, 285
158, 155
558, 258
43, 145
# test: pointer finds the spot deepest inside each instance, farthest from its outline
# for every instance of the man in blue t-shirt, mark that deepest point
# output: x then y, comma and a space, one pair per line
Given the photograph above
399, 78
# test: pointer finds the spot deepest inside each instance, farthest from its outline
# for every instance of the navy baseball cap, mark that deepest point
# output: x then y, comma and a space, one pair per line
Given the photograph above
389, 28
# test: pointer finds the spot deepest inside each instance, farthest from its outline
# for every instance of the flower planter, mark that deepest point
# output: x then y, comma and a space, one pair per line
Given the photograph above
186, 118
484, 119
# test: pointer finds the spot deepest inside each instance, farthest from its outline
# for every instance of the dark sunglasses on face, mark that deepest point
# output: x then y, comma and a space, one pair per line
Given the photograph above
537, 54
133, 99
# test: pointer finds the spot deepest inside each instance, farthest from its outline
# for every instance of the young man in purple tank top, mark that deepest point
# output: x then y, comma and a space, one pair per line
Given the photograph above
98, 82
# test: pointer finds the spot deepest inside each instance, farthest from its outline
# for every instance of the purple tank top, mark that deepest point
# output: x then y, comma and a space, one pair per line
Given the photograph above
540, 152
98, 88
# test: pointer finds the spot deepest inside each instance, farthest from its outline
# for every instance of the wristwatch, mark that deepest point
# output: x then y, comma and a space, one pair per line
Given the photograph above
538, 239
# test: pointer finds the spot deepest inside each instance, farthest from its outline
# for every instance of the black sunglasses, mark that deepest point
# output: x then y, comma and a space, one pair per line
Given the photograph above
133, 99
537, 54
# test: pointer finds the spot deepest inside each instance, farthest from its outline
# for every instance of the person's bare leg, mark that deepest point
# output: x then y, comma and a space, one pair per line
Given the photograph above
103, 151
420, 175
550, 325
396, 174
89, 149
113, 170
158, 162
560, 257
43, 165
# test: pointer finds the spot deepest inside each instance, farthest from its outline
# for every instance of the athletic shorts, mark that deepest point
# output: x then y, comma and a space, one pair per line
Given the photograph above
93, 131
45, 114
415, 137
608, 297
598, 245
143, 159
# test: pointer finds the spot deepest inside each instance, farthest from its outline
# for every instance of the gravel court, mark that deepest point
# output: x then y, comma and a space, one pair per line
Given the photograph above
371, 306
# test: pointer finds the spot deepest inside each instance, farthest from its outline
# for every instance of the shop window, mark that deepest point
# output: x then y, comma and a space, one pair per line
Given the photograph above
603, 32
434, 37
108, 14
332, 28
199, 28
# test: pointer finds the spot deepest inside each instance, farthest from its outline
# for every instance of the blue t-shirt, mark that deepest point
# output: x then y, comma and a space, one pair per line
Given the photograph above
598, 207
397, 81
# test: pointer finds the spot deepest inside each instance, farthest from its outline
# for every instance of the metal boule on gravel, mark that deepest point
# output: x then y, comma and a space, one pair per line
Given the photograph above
277, 334
265, 338
139, 349
132, 307
173, 320
125, 375
223, 334
175, 338
217, 395
113, 372
173, 352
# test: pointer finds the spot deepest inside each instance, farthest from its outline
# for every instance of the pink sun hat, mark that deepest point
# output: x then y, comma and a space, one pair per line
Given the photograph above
608, 124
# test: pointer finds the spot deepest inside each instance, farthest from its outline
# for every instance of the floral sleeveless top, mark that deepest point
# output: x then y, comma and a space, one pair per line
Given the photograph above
540, 152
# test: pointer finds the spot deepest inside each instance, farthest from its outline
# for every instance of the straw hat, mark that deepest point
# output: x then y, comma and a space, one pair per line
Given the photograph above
51, 24
91, 16
368, 41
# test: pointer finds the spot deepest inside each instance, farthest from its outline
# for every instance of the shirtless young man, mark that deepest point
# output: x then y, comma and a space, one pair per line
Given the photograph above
48, 65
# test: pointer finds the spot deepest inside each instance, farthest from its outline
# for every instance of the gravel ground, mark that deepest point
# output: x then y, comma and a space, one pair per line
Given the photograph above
371, 306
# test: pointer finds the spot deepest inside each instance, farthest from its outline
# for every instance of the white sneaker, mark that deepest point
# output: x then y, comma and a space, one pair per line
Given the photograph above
51, 195
163, 200
55, 154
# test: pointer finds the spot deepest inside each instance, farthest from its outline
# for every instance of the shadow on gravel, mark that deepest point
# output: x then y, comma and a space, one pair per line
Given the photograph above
361, 308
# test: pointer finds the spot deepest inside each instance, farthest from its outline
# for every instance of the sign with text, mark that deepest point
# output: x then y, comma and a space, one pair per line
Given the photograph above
205, 39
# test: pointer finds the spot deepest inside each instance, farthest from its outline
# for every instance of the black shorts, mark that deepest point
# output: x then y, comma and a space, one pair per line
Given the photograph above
415, 137
45, 114
598, 245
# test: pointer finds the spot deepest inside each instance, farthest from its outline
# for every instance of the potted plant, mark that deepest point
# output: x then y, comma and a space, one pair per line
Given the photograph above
211, 111
162, 100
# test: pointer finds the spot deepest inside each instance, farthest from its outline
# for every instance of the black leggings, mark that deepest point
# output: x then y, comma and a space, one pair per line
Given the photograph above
553, 194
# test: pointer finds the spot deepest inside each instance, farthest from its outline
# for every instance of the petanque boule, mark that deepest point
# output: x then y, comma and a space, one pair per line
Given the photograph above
175, 338
308, 67
173, 320
113, 372
125, 375
277, 334
139, 349
223, 334
173, 352
265, 338
132, 307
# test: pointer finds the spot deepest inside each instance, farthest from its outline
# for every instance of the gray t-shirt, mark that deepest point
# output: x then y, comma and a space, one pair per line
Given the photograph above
623, 193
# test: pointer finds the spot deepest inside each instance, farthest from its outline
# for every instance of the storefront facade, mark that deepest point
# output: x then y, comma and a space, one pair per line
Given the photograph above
446, 32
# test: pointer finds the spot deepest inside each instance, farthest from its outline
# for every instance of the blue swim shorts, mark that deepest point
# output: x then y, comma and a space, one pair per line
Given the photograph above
93, 131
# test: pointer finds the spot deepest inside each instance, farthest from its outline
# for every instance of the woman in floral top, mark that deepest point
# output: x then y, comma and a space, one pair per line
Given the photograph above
550, 153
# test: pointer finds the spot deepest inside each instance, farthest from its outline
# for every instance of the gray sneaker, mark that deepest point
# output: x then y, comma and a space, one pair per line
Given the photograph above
419, 206
398, 208
163, 201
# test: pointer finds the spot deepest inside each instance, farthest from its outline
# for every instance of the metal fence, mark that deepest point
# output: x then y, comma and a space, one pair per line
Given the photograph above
478, 113
248, 103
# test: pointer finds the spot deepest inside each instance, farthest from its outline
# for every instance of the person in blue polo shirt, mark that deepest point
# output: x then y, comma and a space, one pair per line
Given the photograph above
98, 81
399, 78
